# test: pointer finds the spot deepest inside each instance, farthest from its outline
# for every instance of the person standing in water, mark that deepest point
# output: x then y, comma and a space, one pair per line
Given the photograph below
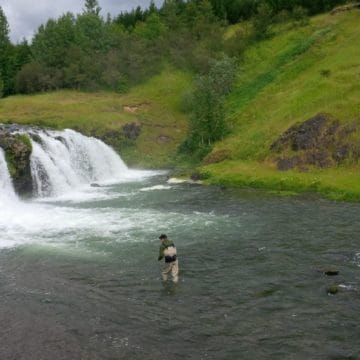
168, 251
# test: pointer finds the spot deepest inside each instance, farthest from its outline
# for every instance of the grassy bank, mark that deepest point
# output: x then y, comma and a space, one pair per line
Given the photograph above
154, 106
336, 183
287, 79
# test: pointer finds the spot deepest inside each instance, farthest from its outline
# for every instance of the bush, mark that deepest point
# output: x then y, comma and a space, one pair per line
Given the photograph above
207, 106
1, 87
33, 78
262, 21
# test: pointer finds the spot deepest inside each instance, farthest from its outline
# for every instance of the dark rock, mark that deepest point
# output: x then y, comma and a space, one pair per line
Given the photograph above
331, 272
61, 139
196, 176
95, 185
320, 142
341, 153
35, 137
17, 148
333, 289
131, 130
318, 158
287, 163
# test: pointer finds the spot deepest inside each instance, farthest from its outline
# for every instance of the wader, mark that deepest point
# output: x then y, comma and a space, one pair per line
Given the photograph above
171, 266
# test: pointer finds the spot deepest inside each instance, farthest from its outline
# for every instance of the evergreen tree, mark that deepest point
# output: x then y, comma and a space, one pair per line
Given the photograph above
5, 47
92, 7
4, 29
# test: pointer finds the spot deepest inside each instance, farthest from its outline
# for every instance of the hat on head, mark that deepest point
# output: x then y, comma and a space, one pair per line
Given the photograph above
162, 236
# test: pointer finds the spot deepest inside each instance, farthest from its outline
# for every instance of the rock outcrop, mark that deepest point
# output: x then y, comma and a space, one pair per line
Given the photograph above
320, 142
17, 148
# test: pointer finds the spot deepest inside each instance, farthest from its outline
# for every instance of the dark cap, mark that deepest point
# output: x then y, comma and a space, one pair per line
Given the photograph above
162, 236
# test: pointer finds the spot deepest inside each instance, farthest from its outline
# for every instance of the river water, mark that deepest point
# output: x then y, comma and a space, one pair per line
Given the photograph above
79, 276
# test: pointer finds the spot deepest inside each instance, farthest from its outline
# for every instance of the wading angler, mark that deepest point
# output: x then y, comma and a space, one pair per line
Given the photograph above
168, 251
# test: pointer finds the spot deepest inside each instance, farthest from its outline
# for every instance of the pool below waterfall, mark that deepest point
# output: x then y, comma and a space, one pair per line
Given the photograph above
79, 276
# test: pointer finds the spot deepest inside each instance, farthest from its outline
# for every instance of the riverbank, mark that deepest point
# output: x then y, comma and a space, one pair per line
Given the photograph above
341, 184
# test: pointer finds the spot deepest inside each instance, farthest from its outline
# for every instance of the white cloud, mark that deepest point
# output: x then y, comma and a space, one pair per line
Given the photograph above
25, 16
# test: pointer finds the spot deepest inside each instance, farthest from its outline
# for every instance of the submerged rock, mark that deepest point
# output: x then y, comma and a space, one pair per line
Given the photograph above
332, 290
331, 272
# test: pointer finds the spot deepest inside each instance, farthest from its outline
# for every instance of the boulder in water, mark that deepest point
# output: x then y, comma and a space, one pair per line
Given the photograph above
332, 290
95, 185
331, 272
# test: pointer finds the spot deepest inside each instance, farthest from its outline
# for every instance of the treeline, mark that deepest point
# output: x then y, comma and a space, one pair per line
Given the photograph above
86, 51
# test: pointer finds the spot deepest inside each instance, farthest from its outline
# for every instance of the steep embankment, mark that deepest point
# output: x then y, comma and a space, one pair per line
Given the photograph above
286, 83
144, 126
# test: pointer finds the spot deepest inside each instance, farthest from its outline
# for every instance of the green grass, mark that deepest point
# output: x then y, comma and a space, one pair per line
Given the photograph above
335, 184
285, 80
281, 83
97, 113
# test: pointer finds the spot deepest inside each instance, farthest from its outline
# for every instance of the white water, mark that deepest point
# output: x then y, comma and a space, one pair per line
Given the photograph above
7, 193
63, 165
67, 160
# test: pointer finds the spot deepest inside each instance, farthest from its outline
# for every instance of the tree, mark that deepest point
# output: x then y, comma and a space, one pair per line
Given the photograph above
4, 29
263, 20
151, 29
92, 7
51, 42
5, 47
1, 87
207, 106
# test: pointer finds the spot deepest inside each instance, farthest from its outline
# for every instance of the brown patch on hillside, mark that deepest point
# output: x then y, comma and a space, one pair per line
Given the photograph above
217, 157
136, 107
164, 139
320, 141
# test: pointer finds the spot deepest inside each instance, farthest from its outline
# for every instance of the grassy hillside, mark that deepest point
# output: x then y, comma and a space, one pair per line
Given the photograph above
287, 79
300, 71
154, 106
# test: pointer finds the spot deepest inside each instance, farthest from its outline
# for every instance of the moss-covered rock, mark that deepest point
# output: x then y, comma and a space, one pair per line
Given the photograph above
332, 290
17, 148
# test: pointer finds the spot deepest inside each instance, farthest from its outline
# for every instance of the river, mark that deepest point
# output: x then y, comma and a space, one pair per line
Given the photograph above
79, 276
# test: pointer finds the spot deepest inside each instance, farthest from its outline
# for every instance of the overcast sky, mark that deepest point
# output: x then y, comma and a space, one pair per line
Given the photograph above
25, 16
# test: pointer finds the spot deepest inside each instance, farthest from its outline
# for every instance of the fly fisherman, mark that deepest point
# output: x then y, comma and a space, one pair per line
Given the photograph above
168, 250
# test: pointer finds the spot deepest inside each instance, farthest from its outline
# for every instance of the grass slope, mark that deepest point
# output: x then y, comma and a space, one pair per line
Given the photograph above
289, 78
154, 105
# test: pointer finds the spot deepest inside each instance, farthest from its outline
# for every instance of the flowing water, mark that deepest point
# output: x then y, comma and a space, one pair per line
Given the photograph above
79, 276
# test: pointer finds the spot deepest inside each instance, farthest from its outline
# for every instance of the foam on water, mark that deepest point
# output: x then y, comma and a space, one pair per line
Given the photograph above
156, 187
7, 193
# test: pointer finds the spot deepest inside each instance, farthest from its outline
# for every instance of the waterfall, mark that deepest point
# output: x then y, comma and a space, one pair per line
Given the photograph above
62, 161
7, 193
